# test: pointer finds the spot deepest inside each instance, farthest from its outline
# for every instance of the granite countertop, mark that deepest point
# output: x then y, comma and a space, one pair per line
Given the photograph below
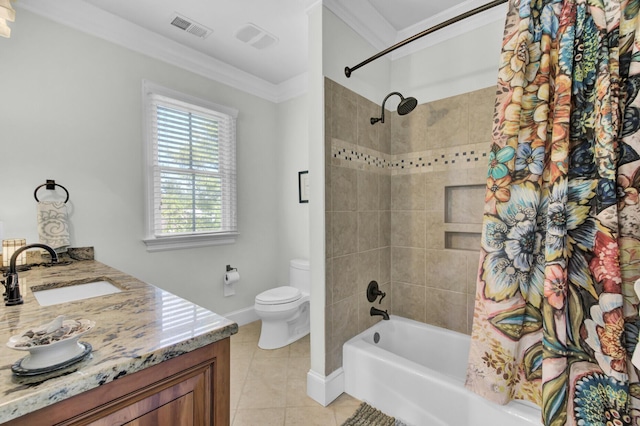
135, 329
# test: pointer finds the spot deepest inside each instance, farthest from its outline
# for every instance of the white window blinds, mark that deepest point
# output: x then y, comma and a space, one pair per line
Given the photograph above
193, 170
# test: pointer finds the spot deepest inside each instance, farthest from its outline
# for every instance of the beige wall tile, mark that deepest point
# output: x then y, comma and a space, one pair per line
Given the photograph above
447, 309
345, 233
384, 191
408, 229
368, 231
408, 301
447, 269
344, 189
434, 191
367, 134
343, 116
473, 264
328, 200
328, 248
328, 284
385, 265
368, 197
384, 134
434, 230
464, 203
447, 122
344, 325
408, 265
409, 132
333, 347
462, 240
408, 256
384, 231
481, 108
408, 192
345, 277
368, 270
471, 300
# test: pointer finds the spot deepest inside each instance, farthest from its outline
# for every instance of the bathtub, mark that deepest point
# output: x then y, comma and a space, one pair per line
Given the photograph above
416, 374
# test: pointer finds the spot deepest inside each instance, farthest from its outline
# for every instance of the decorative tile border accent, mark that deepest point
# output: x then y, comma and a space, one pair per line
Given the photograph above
345, 154
350, 155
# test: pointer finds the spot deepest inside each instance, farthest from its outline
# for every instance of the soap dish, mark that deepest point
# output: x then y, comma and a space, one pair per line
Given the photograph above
19, 369
52, 344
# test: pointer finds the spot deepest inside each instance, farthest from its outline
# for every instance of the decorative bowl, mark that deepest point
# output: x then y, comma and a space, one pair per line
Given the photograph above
51, 344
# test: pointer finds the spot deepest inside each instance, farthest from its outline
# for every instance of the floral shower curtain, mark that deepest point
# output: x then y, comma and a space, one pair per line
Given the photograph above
556, 317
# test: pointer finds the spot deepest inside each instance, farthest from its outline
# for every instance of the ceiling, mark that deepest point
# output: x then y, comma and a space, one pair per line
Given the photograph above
260, 41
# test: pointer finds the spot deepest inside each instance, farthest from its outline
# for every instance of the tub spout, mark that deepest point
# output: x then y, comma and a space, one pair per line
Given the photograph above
375, 311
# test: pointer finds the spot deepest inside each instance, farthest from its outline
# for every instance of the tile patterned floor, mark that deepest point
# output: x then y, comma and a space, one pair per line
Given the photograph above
269, 388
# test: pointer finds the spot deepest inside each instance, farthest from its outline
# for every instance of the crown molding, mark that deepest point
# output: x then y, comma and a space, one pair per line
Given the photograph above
73, 13
454, 30
362, 17
292, 88
362, 22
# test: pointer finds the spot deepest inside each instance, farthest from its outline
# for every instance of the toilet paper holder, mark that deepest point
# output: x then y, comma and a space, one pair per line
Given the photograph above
229, 268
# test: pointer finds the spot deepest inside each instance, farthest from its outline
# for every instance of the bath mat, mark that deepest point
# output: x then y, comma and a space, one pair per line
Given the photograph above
366, 415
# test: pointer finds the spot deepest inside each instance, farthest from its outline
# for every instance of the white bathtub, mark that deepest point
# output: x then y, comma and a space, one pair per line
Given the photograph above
416, 373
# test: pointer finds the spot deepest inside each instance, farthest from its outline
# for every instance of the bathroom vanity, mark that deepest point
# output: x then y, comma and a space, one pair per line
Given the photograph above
157, 359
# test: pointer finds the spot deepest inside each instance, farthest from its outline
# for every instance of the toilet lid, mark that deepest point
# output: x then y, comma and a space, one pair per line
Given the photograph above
278, 295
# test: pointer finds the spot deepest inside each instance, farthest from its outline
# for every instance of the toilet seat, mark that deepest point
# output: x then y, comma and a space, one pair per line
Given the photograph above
279, 296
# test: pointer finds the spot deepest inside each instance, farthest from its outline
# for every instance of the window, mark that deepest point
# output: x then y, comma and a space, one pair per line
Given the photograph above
191, 170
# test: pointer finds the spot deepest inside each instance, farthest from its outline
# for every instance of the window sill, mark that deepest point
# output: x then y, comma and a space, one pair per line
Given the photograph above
188, 241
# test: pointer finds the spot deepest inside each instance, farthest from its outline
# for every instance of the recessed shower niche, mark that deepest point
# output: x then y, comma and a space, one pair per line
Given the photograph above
464, 205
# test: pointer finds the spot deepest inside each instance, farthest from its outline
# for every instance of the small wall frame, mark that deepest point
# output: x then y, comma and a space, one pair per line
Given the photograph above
303, 186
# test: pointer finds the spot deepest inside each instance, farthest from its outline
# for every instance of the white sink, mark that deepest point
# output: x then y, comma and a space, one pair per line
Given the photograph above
70, 293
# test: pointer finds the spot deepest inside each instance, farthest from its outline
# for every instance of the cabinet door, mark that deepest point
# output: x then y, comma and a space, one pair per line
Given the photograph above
177, 412
183, 403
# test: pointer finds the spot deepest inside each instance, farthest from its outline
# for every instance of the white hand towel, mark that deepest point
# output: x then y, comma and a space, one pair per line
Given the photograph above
53, 225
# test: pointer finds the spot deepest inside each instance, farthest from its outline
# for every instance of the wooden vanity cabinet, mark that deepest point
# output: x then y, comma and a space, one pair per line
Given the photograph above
191, 389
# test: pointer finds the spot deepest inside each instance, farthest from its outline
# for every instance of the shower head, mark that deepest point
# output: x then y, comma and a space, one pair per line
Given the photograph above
405, 106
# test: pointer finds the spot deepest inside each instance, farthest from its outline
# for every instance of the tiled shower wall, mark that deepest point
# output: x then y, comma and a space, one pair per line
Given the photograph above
404, 203
358, 216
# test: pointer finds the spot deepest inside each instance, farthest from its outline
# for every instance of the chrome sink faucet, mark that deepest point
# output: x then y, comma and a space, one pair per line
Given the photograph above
12, 287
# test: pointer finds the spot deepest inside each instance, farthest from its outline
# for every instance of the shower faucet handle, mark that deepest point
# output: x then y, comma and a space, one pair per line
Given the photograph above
373, 291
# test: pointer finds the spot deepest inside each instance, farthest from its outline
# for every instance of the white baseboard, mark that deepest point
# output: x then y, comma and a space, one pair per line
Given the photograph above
324, 389
243, 316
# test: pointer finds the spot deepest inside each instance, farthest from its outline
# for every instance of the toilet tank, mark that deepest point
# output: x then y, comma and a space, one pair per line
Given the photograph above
299, 276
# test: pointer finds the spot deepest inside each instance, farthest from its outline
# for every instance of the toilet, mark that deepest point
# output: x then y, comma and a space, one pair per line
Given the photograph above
284, 311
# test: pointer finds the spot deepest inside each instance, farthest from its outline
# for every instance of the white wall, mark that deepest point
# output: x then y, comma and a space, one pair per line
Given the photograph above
293, 139
343, 47
315, 97
458, 65
70, 110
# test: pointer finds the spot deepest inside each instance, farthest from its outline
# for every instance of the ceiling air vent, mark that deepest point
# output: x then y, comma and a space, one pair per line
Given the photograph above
255, 36
190, 26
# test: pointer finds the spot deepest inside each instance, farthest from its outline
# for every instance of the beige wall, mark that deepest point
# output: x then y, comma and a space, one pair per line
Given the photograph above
404, 203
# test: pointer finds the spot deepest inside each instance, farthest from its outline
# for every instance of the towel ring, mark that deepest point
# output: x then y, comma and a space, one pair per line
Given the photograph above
51, 185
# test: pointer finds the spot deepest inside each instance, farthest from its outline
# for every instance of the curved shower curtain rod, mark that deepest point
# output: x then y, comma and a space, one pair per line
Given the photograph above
348, 71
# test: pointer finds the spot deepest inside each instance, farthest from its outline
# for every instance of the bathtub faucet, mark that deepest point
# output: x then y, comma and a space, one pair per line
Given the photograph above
373, 291
375, 311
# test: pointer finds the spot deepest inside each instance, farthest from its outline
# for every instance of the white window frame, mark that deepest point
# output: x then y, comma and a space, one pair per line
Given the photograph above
161, 243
